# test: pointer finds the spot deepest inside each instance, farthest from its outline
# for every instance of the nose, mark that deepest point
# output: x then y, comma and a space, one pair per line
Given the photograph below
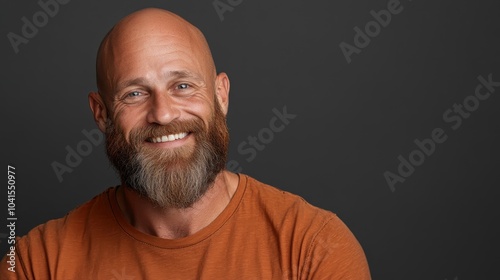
163, 109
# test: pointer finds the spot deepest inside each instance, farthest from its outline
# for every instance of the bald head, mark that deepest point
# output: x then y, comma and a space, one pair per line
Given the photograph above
150, 33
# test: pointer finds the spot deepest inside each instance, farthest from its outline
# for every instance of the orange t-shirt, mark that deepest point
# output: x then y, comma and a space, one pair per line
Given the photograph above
263, 233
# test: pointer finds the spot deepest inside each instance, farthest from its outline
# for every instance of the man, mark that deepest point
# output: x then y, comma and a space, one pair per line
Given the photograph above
177, 213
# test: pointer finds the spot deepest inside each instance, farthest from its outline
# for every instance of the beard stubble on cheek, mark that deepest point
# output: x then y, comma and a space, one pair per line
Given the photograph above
175, 177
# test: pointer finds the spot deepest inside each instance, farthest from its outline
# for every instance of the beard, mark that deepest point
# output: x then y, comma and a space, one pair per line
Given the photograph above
174, 177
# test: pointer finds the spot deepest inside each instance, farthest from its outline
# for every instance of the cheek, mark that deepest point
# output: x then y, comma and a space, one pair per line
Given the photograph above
203, 108
127, 119
203, 112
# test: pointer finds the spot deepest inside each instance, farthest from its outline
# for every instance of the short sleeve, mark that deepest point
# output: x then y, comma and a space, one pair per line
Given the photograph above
335, 254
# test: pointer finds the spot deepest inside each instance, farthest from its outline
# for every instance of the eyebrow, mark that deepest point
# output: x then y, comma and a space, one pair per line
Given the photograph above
171, 74
127, 83
183, 74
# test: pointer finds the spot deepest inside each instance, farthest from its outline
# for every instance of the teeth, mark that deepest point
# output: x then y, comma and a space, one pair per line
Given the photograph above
168, 138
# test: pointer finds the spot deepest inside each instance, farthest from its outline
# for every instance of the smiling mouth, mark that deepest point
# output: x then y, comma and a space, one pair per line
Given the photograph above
167, 138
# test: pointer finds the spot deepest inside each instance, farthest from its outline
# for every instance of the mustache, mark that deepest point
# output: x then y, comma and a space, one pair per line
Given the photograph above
140, 134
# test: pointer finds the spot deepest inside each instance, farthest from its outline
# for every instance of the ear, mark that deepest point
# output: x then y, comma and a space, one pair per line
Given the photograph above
222, 91
98, 110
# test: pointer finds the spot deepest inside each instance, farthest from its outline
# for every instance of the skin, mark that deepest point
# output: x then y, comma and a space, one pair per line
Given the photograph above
153, 68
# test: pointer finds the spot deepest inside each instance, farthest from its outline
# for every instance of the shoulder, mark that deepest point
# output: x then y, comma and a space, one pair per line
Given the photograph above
291, 216
47, 240
75, 220
328, 249
275, 201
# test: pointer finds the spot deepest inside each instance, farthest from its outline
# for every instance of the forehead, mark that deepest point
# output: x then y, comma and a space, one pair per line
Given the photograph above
146, 50
151, 43
156, 50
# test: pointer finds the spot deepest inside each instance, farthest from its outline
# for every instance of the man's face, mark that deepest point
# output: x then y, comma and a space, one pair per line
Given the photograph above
166, 132
156, 79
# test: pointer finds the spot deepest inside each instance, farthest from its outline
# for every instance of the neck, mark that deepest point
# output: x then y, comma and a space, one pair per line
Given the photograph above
173, 223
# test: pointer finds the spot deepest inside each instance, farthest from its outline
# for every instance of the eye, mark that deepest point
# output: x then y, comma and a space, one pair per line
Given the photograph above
134, 94
183, 86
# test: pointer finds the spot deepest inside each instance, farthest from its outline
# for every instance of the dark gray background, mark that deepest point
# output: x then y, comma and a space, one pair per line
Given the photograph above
353, 119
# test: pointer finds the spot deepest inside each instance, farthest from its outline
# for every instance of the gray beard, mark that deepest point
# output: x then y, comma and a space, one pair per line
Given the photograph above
173, 178
179, 185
